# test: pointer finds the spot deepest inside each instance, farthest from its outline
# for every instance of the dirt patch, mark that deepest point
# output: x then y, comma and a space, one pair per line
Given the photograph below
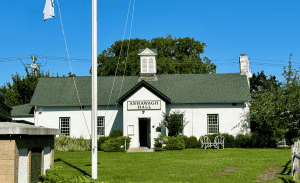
228, 170
269, 175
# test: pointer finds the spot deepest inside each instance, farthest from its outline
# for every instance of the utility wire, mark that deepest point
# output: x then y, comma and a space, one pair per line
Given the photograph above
125, 64
119, 59
71, 67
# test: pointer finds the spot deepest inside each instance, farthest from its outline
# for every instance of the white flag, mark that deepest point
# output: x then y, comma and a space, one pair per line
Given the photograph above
49, 9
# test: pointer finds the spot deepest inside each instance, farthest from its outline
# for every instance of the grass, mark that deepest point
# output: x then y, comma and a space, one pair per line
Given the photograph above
188, 165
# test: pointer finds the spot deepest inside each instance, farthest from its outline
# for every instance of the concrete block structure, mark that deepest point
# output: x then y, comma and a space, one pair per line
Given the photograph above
26, 152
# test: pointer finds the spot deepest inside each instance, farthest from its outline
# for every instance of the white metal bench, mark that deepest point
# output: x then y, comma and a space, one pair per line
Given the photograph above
282, 143
205, 142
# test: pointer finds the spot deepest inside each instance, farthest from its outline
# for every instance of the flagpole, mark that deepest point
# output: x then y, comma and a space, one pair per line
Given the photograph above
94, 89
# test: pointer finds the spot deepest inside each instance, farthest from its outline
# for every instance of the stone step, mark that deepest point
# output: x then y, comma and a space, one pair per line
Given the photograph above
140, 149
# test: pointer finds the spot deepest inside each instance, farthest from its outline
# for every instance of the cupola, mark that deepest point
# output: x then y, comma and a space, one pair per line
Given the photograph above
147, 64
244, 67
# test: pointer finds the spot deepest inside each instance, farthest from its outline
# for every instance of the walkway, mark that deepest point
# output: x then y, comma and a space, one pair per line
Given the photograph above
140, 149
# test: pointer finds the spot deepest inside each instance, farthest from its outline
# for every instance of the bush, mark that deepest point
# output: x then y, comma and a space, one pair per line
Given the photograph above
65, 143
242, 141
101, 140
114, 144
116, 133
192, 142
185, 138
229, 140
175, 143
158, 145
257, 141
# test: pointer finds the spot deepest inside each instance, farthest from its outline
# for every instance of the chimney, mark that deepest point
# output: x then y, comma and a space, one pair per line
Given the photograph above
244, 67
147, 64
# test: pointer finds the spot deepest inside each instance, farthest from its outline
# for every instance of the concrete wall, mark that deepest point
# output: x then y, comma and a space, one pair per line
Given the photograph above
15, 153
49, 117
132, 117
196, 115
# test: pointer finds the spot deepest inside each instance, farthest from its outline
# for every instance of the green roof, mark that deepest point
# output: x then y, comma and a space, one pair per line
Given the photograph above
25, 110
178, 88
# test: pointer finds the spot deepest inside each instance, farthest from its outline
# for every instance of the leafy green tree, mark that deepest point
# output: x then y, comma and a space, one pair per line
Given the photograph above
22, 89
276, 109
174, 122
258, 85
175, 56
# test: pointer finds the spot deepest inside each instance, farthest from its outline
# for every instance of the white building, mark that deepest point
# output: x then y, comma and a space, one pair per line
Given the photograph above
212, 102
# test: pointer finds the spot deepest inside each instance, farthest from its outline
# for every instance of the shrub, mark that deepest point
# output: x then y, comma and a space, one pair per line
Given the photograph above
175, 143
116, 133
242, 141
229, 140
65, 143
257, 141
185, 138
158, 145
114, 144
192, 142
101, 140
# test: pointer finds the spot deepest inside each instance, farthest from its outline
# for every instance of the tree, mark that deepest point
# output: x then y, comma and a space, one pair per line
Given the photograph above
175, 56
258, 85
276, 109
71, 75
174, 122
22, 89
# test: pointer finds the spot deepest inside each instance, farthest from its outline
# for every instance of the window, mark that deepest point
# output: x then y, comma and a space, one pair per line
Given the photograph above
64, 126
101, 126
151, 65
148, 65
213, 123
144, 65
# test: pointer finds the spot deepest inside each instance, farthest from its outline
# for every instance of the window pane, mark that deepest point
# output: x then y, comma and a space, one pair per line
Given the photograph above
100, 125
151, 65
65, 126
144, 65
213, 123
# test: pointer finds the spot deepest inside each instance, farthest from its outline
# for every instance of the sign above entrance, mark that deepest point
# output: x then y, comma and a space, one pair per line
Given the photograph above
143, 105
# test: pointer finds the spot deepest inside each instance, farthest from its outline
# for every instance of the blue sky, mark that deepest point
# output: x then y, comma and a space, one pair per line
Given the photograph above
267, 31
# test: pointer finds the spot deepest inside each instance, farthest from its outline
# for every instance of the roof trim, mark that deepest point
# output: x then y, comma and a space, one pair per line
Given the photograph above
149, 87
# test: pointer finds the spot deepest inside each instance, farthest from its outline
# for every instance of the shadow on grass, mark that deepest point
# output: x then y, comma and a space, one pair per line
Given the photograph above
76, 168
286, 167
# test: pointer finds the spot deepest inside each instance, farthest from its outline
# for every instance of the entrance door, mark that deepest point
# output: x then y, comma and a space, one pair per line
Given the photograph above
144, 132
36, 162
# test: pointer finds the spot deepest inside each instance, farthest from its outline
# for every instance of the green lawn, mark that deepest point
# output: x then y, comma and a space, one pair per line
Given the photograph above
188, 165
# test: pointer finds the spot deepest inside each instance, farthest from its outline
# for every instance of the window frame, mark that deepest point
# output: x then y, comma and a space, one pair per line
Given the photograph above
98, 127
208, 125
60, 120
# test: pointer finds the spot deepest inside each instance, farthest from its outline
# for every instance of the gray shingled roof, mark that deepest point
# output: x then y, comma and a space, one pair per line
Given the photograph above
180, 88
22, 111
